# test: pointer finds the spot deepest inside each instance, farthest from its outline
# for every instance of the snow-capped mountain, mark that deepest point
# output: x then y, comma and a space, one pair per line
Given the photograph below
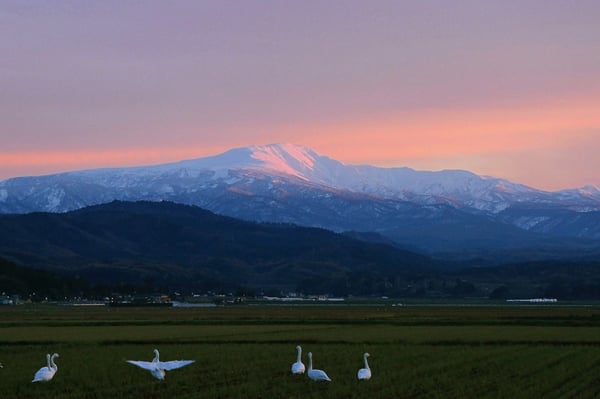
291, 183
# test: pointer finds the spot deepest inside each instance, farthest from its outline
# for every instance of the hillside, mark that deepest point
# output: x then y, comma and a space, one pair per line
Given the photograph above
171, 246
162, 246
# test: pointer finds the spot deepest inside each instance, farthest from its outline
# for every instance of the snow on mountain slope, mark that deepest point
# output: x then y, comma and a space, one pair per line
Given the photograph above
236, 169
459, 188
454, 187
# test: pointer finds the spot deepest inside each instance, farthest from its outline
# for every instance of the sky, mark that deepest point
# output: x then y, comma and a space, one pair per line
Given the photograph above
504, 88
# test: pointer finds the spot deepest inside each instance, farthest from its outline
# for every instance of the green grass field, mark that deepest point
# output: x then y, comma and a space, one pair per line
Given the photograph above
246, 351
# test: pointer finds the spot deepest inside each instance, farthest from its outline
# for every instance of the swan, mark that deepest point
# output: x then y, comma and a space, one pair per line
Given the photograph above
316, 375
298, 367
365, 374
46, 373
158, 368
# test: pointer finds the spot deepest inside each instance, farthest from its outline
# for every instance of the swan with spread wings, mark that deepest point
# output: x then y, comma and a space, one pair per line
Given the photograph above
158, 368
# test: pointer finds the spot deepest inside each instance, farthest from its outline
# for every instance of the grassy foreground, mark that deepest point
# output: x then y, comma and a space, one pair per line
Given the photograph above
246, 351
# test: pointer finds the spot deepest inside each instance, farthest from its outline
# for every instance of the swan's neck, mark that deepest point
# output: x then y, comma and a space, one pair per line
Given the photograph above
156, 357
299, 354
48, 361
309, 362
366, 363
52, 365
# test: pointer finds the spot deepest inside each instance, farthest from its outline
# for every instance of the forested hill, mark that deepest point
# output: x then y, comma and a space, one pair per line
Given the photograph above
163, 244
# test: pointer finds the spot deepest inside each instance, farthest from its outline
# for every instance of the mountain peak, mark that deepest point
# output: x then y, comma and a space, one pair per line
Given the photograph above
280, 159
277, 159
291, 159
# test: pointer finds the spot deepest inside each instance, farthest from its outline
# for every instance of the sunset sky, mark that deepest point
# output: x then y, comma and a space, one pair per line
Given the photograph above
499, 87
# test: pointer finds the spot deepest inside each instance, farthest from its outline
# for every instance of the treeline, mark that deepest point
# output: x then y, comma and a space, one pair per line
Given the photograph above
564, 281
37, 284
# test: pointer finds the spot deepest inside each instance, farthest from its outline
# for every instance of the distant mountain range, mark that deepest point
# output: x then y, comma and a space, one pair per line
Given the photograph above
449, 211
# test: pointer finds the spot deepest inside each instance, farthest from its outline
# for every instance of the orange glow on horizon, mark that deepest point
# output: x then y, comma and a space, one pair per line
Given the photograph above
78, 159
441, 133
508, 143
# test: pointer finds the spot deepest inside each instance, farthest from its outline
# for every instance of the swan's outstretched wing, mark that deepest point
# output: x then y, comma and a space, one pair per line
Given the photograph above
173, 364
145, 365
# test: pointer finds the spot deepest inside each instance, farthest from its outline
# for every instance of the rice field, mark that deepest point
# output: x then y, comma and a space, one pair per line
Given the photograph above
247, 351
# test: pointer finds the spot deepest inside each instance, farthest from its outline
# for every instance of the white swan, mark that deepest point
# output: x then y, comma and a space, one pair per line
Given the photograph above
365, 374
316, 375
46, 373
298, 367
158, 368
